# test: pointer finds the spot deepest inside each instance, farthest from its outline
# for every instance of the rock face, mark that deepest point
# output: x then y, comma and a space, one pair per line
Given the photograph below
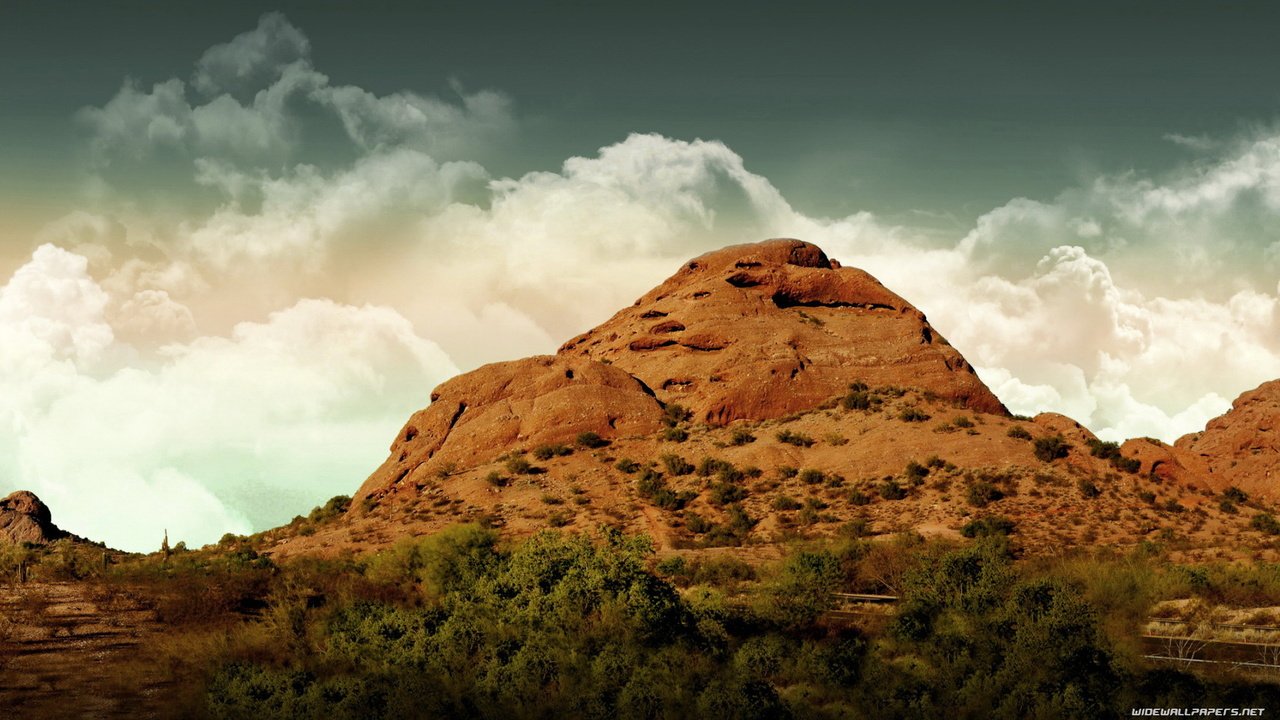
1240, 448
760, 331
535, 401
24, 519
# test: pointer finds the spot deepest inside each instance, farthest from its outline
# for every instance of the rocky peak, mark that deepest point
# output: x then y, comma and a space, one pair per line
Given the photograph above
24, 518
763, 330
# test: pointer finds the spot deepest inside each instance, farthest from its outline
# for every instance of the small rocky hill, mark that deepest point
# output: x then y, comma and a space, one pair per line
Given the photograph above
25, 519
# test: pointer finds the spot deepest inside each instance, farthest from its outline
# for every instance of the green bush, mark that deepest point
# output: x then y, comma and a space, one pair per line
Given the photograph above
1051, 447
546, 452
891, 490
1265, 522
591, 440
913, 414
810, 476
982, 493
675, 434
1018, 432
991, 525
786, 502
676, 465
794, 438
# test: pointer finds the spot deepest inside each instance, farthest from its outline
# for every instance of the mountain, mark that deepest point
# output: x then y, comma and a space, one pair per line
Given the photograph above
763, 392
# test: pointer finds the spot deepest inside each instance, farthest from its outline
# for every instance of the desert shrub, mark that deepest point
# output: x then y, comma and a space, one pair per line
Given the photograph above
857, 497
709, 466
1088, 488
1018, 432
675, 434
649, 483
794, 438
786, 472
673, 414
696, 523
546, 452
856, 400
741, 436
916, 473
811, 476
628, 466
335, 507
891, 490
913, 414
723, 493
987, 526
1265, 522
520, 466
982, 493
591, 440
1051, 447
676, 465
962, 421
1236, 495
786, 502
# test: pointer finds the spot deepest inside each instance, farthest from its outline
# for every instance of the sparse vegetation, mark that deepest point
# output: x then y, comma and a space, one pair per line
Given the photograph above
676, 465
546, 452
1018, 432
591, 441
794, 438
675, 434
741, 436
1051, 447
913, 414
988, 526
982, 493
891, 490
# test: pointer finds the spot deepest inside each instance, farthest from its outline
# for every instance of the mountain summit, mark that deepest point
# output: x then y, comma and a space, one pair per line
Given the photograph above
754, 332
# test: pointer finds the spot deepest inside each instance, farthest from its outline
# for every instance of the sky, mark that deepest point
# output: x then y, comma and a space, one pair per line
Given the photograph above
240, 243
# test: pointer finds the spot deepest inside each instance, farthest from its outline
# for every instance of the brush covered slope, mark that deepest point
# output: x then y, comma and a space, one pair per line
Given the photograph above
764, 392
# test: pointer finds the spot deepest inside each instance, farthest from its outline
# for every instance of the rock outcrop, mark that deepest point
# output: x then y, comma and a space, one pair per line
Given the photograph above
1240, 448
759, 331
25, 519
493, 409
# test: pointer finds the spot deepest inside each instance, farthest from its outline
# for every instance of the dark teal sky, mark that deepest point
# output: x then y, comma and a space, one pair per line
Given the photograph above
949, 108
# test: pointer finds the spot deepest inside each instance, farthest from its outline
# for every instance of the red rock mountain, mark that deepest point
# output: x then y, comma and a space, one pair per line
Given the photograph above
25, 519
811, 398
748, 332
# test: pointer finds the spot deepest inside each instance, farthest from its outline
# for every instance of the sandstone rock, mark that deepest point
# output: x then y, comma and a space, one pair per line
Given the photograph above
25, 519
1241, 448
764, 330
480, 415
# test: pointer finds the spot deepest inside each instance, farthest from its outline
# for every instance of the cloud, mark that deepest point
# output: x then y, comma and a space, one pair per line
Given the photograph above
221, 434
259, 100
252, 59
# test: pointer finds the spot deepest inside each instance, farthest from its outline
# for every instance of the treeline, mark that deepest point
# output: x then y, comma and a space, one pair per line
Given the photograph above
461, 625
